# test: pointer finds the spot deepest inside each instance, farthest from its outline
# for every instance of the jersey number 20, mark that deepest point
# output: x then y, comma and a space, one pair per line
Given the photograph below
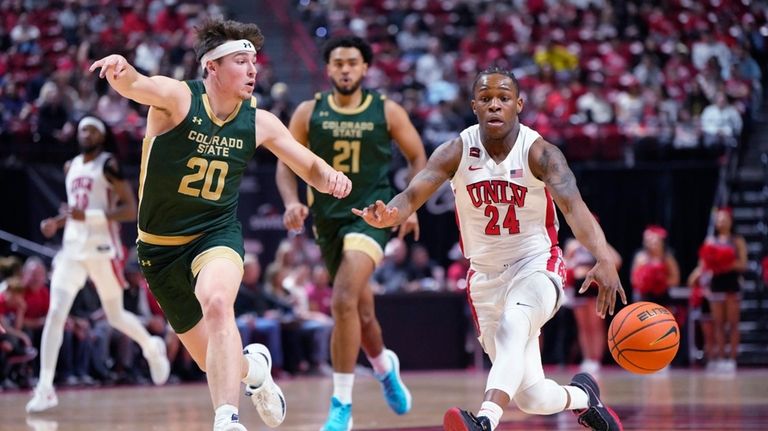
208, 171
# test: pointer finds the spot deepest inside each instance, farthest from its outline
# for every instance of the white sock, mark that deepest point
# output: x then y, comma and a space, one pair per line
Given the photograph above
225, 414
579, 398
381, 364
492, 411
257, 365
342, 387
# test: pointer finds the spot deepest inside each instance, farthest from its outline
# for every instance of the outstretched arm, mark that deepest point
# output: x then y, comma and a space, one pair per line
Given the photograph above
549, 165
158, 91
440, 167
276, 138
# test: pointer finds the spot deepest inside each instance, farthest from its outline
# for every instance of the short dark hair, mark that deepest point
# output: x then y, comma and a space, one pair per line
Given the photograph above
348, 42
496, 70
213, 32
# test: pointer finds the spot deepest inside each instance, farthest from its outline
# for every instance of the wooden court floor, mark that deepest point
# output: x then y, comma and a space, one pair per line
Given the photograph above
684, 399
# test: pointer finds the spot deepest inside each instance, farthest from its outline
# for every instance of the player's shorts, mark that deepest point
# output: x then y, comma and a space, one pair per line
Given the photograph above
171, 271
334, 236
537, 294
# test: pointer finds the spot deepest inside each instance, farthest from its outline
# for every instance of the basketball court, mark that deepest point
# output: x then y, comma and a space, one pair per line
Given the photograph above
679, 400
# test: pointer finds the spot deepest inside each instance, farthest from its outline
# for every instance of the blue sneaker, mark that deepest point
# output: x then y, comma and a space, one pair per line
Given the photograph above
339, 417
397, 395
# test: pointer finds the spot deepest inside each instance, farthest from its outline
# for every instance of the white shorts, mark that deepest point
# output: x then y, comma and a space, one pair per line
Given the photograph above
537, 294
69, 275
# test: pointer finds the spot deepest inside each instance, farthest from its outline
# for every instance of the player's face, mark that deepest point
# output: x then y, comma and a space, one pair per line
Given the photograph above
346, 69
237, 72
89, 139
496, 104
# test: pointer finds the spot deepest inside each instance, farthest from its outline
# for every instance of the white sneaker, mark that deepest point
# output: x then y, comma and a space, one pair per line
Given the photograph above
268, 398
43, 398
590, 366
159, 367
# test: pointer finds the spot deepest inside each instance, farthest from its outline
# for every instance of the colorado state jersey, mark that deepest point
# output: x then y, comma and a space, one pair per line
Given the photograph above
506, 216
190, 175
355, 141
89, 189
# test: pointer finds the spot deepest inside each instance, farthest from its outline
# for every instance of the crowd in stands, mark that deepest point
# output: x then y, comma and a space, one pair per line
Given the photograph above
604, 80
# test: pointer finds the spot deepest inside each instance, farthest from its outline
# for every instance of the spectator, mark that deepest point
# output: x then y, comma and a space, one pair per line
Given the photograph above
721, 123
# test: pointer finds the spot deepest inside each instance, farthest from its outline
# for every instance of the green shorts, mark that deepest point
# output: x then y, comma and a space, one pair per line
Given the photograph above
171, 271
333, 236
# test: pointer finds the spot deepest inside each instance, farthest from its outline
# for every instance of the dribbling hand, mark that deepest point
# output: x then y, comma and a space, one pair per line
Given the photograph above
117, 64
378, 214
607, 279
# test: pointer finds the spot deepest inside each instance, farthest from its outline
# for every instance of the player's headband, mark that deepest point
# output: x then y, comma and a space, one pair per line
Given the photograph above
92, 121
227, 48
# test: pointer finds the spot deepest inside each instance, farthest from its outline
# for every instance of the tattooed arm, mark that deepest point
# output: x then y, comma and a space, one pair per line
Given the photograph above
548, 164
440, 167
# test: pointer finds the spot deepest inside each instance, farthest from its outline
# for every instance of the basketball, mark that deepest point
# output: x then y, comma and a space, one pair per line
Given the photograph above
643, 337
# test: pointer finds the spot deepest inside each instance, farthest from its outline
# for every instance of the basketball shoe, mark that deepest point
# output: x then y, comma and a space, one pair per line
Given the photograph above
339, 417
397, 395
597, 416
268, 398
159, 367
456, 419
43, 398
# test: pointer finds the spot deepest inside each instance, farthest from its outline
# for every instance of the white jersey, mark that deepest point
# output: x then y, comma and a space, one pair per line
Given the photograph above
506, 216
89, 189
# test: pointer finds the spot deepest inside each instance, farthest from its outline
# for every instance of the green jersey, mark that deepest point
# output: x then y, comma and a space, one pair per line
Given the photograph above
190, 175
355, 141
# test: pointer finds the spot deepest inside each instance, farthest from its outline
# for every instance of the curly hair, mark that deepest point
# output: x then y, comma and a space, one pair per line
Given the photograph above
348, 42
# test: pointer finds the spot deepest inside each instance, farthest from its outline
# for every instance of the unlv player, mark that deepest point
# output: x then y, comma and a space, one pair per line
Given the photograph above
98, 198
506, 179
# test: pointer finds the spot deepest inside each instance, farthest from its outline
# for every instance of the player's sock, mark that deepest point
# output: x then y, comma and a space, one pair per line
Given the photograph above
225, 414
381, 364
492, 411
578, 398
342, 387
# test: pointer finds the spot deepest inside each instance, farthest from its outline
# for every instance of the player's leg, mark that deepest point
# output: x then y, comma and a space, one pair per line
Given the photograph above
67, 278
108, 279
485, 297
386, 364
217, 283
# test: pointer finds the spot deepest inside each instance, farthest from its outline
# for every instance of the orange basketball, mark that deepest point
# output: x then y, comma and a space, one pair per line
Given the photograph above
643, 337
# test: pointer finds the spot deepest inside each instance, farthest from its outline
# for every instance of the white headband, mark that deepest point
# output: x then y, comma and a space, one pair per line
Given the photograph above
227, 48
92, 121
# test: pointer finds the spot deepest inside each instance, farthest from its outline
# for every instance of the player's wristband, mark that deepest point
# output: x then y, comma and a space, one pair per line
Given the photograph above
93, 216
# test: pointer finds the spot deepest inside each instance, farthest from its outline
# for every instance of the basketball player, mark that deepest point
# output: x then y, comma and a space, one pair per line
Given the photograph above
352, 128
506, 179
200, 136
98, 199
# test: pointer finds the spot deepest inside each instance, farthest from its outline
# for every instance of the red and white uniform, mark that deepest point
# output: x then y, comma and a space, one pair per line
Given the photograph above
506, 216
89, 190
91, 248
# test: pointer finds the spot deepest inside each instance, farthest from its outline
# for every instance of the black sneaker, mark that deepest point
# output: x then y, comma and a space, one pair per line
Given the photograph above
456, 419
597, 417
